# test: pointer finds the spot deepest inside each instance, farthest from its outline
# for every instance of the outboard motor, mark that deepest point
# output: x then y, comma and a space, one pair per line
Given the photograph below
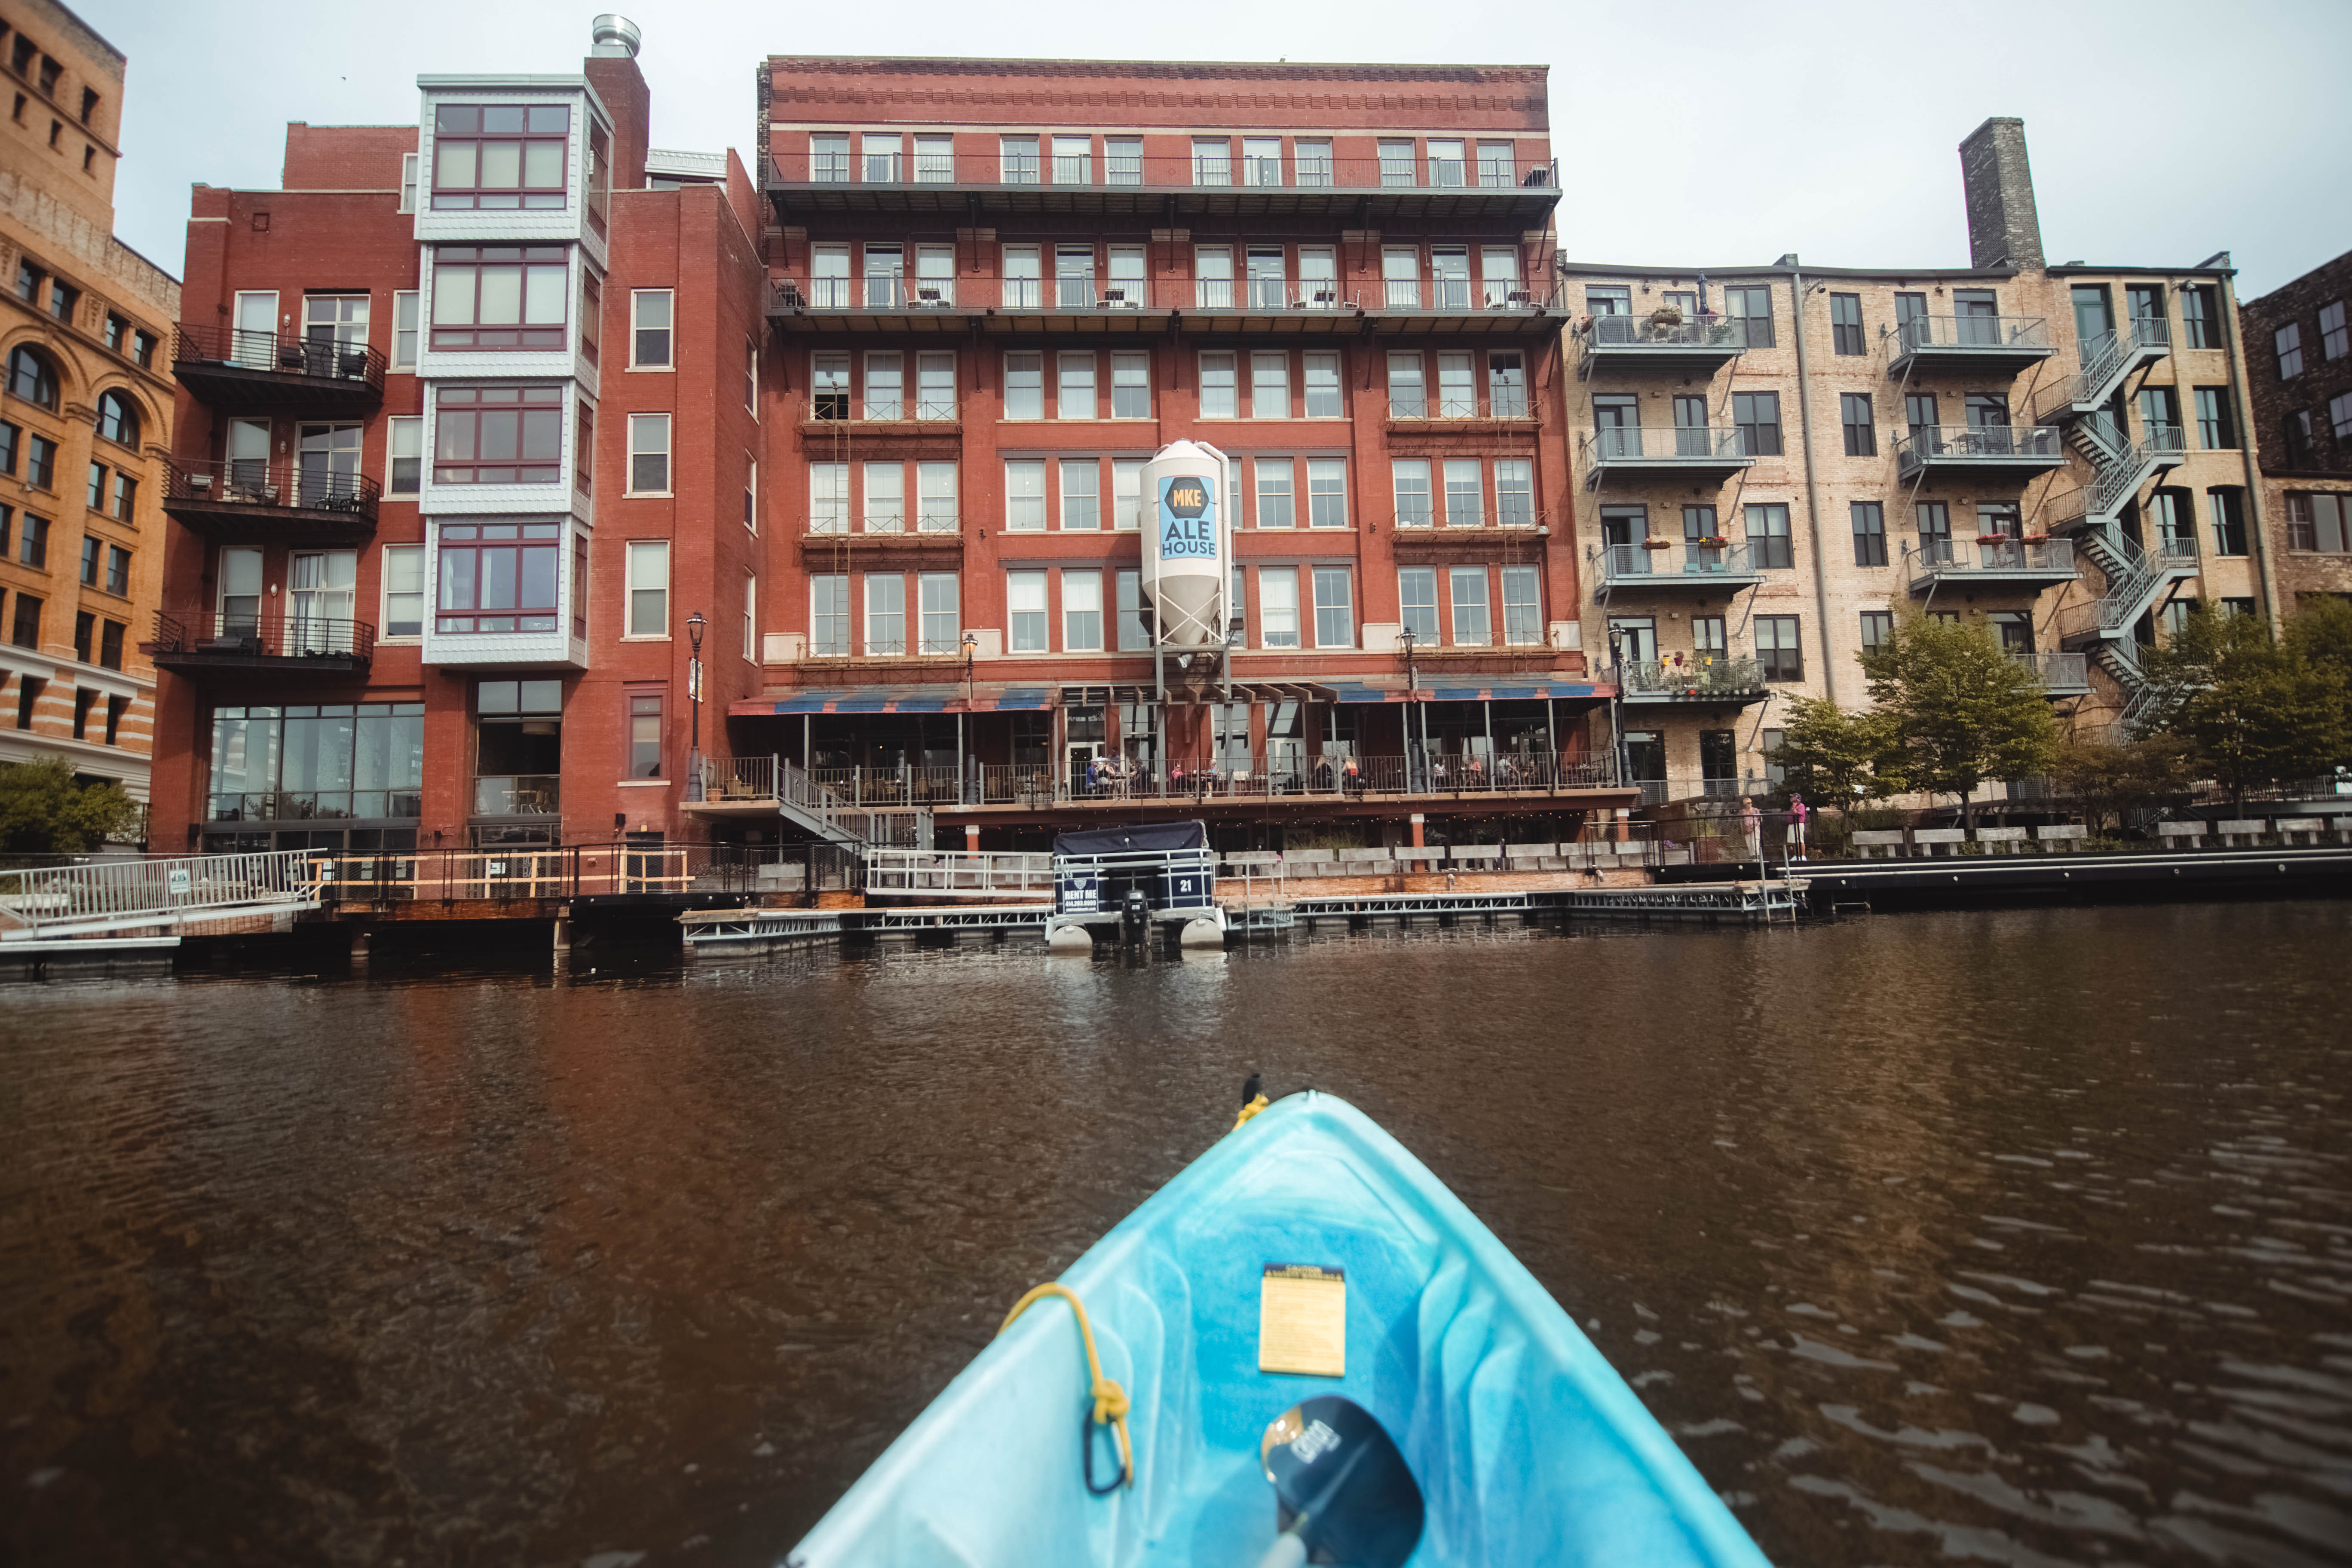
1134, 917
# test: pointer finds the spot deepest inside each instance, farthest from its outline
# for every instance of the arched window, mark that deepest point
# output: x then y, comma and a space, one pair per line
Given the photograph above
32, 378
118, 419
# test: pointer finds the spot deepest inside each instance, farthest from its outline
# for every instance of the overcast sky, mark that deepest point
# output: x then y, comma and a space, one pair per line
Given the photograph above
1697, 133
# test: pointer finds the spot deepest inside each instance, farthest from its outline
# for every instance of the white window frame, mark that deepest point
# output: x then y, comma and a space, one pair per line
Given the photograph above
751, 378
1017, 586
1088, 470
1282, 475
1456, 578
638, 298
750, 493
936, 504
1126, 493
1213, 277
1020, 279
1223, 360
830, 283
829, 602
1319, 470
878, 587
1419, 383
894, 363
1277, 607
1071, 394
1078, 586
1343, 605
1024, 361
645, 559
1466, 478
386, 591
1269, 397
928, 366
751, 618
938, 627
1528, 629
407, 304
1021, 520
413, 425
1409, 576
1399, 471
1130, 371
1520, 475
408, 169
881, 512
641, 427
828, 493
1335, 384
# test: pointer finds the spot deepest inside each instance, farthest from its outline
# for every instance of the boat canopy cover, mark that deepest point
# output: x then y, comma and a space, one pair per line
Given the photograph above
1137, 838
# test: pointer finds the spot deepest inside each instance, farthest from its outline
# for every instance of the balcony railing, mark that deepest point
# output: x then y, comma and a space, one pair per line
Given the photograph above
1172, 171
2058, 671
1697, 445
1624, 562
2053, 557
1704, 679
256, 487
201, 355
1260, 295
2025, 333
1986, 446
1668, 330
198, 635
519, 795
1262, 774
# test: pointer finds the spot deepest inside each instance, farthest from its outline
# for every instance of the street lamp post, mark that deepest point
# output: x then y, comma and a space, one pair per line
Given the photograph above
694, 624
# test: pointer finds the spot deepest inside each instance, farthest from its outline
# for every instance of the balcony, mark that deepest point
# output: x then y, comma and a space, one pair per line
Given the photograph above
2014, 453
1693, 451
1664, 339
2002, 344
1724, 568
260, 373
1261, 304
1707, 680
197, 642
287, 503
519, 795
885, 302
1167, 189
2062, 674
2027, 565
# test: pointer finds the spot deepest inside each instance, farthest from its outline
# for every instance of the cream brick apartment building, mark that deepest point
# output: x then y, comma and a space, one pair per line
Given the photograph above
1770, 462
85, 412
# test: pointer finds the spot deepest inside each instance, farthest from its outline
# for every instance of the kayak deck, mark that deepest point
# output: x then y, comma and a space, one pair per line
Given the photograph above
1527, 1445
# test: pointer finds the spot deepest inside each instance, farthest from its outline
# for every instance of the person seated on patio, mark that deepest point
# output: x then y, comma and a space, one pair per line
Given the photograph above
1352, 780
1093, 776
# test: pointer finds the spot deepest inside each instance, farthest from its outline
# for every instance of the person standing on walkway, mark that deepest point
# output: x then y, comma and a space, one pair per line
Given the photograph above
1796, 815
1751, 828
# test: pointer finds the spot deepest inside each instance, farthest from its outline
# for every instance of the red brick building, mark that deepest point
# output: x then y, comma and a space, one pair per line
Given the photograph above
998, 287
484, 422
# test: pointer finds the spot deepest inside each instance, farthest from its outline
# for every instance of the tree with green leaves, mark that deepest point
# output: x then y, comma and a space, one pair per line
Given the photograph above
1831, 756
2320, 630
43, 810
2257, 709
2107, 779
1960, 711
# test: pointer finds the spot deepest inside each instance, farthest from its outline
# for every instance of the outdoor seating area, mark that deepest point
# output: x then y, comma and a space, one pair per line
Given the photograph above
1469, 859
2194, 833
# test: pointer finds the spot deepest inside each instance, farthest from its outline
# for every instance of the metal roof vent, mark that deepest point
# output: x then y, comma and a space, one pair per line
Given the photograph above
614, 35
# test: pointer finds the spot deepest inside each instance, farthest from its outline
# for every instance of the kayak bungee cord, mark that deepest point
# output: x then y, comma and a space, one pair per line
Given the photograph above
1111, 1399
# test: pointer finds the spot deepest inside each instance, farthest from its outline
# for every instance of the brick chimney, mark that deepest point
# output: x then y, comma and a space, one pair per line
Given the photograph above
611, 69
2005, 230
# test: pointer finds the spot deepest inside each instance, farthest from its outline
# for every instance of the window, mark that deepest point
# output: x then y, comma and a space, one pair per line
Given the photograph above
408, 182
94, 493
28, 282
1024, 605
109, 656
1128, 289
2288, 342
1417, 603
499, 297
1278, 606
2298, 437
645, 735
941, 627
125, 507
828, 616
404, 444
2201, 316
1275, 493
32, 378
648, 454
9, 437
935, 386
886, 277
142, 348
1507, 386
404, 590
1270, 385
1130, 385
404, 330
1322, 386
1335, 611
1756, 417
90, 549
1861, 429
1411, 479
1767, 533
829, 277
885, 615
1397, 167
1024, 385
85, 633
1081, 612
1869, 533
751, 493
1408, 396
1754, 305
1609, 299
1218, 396
84, 701
935, 497
2339, 418
1213, 277
24, 631
1464, 493
1449, 268
648, 587
1471, 626
1845, 324
118, 571
886, 386
1400, 278
1698, 523
1515, 492
1497, 165
2335, 341
2319, 520
1522, 607
1081, 494
1934, 519
2229, 512
1074, 396
1134, 621
1024, 495
1457, 394
1123, 160
1126, 492
828, 158
118, 419
1777, 650
886, 498
41, 463
2215, 431
115, 329
499, 156
497, 435
497, 577
650, 311
33, 542
62, 300
1877, 628
1212, 161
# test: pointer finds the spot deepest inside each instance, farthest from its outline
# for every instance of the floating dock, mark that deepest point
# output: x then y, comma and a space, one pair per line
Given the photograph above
2025, 881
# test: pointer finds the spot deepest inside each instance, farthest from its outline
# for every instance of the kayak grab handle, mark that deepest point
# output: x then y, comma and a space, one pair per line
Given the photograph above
1110, 1400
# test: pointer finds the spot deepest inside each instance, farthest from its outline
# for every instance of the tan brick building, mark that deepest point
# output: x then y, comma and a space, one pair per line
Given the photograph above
85, 412
1770, 461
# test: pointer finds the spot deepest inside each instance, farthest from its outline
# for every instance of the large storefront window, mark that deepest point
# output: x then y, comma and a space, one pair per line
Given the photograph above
318, 773
517, 761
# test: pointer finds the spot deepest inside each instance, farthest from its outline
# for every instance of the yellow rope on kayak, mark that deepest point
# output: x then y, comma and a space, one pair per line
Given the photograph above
1111, 1399
1251, 1109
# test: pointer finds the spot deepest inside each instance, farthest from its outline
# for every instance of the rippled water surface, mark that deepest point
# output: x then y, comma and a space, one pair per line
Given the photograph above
2003, 1237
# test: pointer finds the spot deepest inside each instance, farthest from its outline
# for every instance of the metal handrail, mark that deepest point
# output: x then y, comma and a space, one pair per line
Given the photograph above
274, 635
1261, 295
1972, 333
287, 483
283, 353
2051, 555
2068, 669
953, 873
1179, 170
2105, 360
1702, 680
1733, 559
1282, 774
1665, 330
1663, 442
118, 894
1927, 442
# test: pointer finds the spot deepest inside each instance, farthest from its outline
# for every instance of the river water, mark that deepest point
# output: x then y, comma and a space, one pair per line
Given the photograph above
2008, 1237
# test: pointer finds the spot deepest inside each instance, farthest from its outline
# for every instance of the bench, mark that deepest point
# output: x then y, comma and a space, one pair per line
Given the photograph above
1929, 840
2002, 841
2291, 828
2068, 836
1481, 857
1422, 858
2343, 826
2174, 833
2251, 829
1869, 841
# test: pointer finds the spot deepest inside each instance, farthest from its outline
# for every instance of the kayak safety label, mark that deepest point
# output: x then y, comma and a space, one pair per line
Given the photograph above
1302, 1319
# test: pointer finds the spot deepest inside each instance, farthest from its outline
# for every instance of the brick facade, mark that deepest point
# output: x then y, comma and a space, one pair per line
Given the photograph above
2303, 422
